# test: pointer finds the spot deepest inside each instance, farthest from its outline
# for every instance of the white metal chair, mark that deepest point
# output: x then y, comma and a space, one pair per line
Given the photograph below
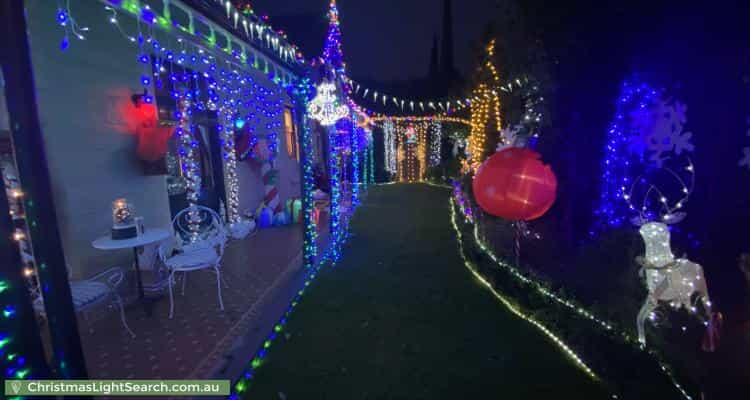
90, 292
200, 237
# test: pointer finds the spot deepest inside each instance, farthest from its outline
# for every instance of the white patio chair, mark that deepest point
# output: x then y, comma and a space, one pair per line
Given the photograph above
204, 251
90, 292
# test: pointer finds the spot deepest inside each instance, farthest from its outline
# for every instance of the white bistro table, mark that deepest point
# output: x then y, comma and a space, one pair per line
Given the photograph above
149, 236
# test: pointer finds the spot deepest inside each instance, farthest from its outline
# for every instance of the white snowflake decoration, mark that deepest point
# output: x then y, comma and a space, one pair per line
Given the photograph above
745, 161
660, 132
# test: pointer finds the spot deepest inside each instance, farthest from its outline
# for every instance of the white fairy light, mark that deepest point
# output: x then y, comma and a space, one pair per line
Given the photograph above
389, 139
541, 289
676, 279
325, 107
435, 142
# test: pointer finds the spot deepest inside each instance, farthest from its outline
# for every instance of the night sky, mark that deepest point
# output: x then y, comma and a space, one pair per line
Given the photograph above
391, 39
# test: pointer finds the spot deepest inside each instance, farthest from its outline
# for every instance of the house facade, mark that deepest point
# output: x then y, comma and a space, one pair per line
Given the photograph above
149, 108
91, 124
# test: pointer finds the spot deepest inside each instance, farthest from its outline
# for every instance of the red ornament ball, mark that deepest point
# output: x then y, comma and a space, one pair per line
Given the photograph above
514, 184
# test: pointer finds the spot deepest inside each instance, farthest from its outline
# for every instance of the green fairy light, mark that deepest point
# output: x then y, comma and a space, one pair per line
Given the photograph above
4, 286
511, 307
164, 23
131, 6
541, 289
257, 362
278, 328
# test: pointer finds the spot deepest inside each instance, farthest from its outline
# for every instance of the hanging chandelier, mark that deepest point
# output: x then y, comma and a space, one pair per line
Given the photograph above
325, 107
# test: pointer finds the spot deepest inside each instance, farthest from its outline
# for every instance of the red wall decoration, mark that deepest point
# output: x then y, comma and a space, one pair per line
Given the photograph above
152, 138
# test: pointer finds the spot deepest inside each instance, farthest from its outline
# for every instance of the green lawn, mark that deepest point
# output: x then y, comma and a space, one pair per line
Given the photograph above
401, 318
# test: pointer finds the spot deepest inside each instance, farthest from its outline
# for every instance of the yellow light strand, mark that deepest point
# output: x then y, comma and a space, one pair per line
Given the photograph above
542, 290
559, 342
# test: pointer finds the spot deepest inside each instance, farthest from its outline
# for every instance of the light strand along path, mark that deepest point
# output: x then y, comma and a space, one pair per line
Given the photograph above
402, 318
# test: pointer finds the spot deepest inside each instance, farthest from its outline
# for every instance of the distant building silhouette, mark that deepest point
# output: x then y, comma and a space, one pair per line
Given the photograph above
447, 64
434, 60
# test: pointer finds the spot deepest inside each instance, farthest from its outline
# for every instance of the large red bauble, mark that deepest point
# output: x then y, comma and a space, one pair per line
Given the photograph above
514, 184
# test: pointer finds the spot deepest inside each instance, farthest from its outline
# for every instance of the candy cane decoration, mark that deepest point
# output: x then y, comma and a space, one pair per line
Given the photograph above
271, 198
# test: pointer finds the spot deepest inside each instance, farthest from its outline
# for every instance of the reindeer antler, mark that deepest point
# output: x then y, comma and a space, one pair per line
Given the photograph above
668, 212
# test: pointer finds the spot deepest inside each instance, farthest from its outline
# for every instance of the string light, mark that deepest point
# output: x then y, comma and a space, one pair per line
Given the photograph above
617, 165
333, 56
416, 118
65, 19
460, 199
190, 168
486, 104
408, 136
371, 148
301, 93
366, 166
259, 32
19, 235
389, 137
229, 156
13, 346
242, 385
540, 288
436, 138
205, 42
400, 153
356, 160
508, 304
422, 149
325, 107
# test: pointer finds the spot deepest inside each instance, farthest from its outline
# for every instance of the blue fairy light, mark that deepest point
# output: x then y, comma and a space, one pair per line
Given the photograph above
62, 17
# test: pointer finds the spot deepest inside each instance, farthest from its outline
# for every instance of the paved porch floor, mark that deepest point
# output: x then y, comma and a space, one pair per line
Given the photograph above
192, 344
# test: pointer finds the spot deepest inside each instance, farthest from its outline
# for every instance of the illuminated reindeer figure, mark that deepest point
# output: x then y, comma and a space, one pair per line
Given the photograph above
669, 279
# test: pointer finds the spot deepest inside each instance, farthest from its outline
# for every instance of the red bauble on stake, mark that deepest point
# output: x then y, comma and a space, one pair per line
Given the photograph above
514, 184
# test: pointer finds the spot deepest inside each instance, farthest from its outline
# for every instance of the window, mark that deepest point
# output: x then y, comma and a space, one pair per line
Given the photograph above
292, 145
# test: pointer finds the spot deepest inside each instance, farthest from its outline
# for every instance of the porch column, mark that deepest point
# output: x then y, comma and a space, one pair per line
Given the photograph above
20, 342
29, 149
300, 97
